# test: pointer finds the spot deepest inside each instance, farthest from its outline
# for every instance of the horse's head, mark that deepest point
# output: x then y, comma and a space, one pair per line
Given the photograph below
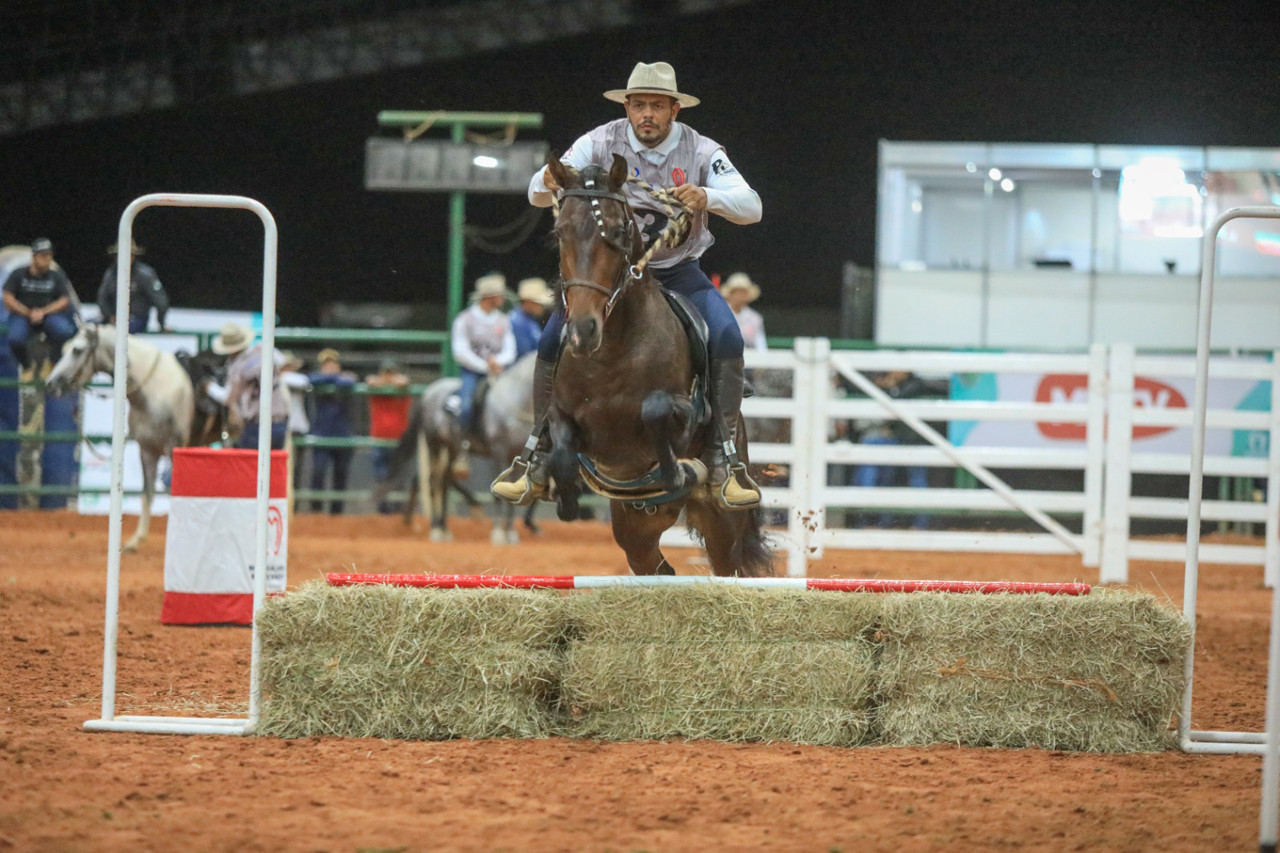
599, 244
84, 355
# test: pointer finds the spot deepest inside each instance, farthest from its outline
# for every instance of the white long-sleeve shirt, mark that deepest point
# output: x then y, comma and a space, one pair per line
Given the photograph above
477, 336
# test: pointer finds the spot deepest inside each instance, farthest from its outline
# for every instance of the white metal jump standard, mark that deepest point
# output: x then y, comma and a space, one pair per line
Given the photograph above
1267, 742
186, 725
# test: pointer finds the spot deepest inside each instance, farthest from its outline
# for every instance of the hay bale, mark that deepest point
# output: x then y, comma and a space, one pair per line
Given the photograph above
1101, 672
380, 661
719, 662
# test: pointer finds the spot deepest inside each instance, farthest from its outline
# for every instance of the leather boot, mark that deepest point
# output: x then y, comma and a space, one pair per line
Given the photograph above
731, 486
525, 480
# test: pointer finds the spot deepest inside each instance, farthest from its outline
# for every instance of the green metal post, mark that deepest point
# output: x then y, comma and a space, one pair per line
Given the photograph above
457, 253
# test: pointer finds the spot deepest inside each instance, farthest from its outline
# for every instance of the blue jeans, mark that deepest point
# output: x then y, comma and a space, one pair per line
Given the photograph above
58, 328
687, 279
137, 325
872, 476
249, 438
321, 459
466, 395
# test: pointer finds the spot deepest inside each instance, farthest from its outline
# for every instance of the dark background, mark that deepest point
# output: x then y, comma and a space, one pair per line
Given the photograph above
798, 93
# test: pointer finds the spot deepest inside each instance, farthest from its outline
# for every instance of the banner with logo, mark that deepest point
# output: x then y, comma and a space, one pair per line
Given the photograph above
1149, 393
210, 543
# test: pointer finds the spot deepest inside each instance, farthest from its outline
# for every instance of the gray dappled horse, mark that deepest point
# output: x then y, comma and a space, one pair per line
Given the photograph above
159, 393
435, 437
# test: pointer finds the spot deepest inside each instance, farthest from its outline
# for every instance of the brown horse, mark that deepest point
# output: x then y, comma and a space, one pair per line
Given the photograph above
624, 414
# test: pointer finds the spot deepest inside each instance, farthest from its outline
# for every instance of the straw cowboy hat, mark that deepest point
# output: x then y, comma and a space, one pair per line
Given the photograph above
657, 78
493, 284
232, 339
741, 281
535, 290
134, 248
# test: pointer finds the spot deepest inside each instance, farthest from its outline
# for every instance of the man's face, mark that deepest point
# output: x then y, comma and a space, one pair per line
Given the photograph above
533, 309
651, 116
40, 262
489, 304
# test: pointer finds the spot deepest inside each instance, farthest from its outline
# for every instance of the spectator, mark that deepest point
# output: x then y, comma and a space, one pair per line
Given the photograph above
389, 403
482, 342
299, 425
740, 291
332, 407
243, 392
528, 319
145, 292
38, 297
899, 384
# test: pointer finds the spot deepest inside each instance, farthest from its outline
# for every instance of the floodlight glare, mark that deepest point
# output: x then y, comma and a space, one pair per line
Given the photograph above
484, 161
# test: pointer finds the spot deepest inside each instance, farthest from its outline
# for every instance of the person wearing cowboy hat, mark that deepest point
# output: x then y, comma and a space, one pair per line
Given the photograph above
145, 292
39, 296
241, 394
482, 342
664, 154
528, 318
740, 291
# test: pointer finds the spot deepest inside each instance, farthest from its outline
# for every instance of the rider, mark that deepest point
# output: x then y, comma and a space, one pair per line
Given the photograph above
38, 296
528, 319
665, 154
482, 342
145, 291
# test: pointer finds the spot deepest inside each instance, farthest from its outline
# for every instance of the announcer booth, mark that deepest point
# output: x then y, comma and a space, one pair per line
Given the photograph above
208, 555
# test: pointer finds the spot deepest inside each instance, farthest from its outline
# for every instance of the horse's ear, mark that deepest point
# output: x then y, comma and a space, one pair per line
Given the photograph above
618, 172
559, 171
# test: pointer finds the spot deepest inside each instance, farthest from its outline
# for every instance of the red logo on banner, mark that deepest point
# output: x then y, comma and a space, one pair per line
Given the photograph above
275, 529
1074, 387
677, 175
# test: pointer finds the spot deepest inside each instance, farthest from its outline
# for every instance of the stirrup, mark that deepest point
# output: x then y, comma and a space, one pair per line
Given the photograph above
738, 490
516, 485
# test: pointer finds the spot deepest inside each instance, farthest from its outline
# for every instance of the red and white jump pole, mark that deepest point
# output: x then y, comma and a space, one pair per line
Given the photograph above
600, 581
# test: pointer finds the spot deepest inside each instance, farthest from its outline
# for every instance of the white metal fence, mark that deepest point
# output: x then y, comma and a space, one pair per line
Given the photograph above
1092, 514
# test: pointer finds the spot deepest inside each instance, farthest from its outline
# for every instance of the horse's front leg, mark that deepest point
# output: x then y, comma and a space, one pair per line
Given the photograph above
563, 465
637, 532
665, 418
150, 462
441, 465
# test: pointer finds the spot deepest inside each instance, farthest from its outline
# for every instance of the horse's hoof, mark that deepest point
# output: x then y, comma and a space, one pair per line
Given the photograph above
498, 536
439, 535
130, 547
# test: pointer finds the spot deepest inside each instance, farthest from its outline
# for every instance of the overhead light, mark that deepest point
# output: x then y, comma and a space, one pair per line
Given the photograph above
971, 166
916, 206
1007, 185
995, 174
484, 161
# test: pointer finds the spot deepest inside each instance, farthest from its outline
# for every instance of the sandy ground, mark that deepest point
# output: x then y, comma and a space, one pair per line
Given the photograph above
64, 789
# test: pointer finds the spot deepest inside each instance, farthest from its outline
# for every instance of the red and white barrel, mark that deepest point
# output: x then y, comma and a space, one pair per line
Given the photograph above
209, 549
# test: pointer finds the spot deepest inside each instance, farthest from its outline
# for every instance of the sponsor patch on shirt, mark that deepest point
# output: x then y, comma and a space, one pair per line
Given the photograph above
678, 176
722, 166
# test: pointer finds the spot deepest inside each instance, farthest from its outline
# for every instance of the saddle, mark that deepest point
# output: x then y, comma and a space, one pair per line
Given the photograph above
695, 331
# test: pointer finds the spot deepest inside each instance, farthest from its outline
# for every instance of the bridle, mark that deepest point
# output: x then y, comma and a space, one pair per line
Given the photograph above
629, 271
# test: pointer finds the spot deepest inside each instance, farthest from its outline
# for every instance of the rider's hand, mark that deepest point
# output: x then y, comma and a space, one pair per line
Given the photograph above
691, 196
36, 315
494, 367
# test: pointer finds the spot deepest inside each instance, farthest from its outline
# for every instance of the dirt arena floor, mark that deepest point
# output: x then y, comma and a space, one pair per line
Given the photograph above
63, 789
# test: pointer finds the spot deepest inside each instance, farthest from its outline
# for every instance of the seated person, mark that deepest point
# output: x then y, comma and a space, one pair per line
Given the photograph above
38, 298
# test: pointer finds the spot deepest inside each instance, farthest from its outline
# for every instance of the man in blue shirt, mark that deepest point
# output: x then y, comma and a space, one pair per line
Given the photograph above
332, 419
528, 319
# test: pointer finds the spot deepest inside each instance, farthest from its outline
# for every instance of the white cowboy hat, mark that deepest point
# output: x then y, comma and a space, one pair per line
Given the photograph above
741, 281
657, 78
493, 284
134, 248
232, 339
535, 290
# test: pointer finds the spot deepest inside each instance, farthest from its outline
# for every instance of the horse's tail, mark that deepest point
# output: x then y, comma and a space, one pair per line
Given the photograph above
404, 457
756, 557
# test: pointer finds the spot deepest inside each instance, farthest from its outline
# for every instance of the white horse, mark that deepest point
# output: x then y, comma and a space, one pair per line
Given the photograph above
161, 401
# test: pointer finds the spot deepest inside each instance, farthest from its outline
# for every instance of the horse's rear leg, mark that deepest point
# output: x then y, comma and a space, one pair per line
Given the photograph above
637, 532
733, 539
664, 420
441, 464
